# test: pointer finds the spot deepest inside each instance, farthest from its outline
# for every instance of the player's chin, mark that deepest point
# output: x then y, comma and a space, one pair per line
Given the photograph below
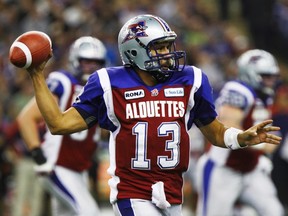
164, 68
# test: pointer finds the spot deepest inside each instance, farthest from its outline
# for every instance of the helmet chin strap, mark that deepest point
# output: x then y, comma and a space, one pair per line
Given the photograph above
160, 76
268, 91
85, 77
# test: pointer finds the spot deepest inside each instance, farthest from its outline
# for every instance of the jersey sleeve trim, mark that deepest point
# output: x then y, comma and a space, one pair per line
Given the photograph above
107, 95
90, 120
202, 122
195, 87
198, 78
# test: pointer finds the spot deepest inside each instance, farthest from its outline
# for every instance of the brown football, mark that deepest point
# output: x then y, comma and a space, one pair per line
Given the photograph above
30, 48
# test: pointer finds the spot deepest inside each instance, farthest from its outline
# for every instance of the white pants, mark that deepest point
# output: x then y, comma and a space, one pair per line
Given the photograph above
219, 187
140, 207
70, 193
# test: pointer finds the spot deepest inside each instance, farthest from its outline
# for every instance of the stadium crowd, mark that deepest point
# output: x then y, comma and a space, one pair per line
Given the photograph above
213, 33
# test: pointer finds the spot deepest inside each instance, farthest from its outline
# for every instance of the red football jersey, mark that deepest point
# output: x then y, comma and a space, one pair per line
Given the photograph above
149, 127
72, 151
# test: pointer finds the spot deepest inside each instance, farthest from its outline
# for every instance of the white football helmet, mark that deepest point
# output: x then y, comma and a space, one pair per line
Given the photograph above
136, 39
254, 64
89, 48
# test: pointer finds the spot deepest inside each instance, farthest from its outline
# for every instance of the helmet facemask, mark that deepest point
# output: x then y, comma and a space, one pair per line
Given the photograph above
268, 83
162, 66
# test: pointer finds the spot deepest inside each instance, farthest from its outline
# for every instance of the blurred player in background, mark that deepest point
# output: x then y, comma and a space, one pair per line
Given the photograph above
148, 104
62, 161
280, 156
225, 176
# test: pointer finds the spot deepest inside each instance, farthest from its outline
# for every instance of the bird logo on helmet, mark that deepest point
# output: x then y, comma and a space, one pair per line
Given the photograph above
136, 30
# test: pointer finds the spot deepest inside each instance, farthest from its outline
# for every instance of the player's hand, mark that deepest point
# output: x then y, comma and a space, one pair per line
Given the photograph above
158, 196
39, 68
43, 166
259, 133
44, 169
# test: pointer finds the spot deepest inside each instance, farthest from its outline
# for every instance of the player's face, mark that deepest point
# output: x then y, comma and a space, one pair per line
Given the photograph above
162, 49
269, 80
88, 66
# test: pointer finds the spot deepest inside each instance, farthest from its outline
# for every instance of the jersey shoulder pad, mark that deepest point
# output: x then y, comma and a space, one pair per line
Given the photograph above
236, 95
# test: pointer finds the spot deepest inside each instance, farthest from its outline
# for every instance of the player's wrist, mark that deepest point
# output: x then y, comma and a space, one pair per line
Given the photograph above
231, 139
38, 156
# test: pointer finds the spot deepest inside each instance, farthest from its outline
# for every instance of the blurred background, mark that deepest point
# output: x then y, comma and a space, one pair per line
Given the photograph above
212, 32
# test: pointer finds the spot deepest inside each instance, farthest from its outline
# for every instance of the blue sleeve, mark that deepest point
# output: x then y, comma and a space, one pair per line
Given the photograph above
204, 110
90, 103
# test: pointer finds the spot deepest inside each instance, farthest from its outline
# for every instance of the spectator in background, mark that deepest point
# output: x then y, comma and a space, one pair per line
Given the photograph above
23, 190
62, 161
259, 17
280, 30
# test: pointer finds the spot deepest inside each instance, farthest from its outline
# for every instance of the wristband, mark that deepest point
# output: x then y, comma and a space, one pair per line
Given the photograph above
38, 156
230, 138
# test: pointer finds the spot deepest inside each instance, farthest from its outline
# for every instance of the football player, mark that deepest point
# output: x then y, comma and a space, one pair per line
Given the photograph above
63, 161
148, 104
280, 155
225, 177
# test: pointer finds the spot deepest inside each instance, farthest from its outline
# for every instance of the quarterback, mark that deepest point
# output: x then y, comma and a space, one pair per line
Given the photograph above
148, 104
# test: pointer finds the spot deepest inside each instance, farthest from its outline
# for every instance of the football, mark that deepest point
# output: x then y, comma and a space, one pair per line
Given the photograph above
30, 49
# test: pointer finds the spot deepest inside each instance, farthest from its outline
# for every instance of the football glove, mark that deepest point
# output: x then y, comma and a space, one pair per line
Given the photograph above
42, 167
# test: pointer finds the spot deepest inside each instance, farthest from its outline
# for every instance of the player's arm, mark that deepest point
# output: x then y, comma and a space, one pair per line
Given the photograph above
28, 123
227, 137
28, 120
231, 116
57, 121
228, 116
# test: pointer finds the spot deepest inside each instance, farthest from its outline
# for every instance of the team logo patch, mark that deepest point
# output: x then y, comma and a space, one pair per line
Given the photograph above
254, 59
129, 95
154, 92
174, 92
136, 30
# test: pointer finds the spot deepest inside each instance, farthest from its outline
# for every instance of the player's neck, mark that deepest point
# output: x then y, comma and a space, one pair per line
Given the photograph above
146, 78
